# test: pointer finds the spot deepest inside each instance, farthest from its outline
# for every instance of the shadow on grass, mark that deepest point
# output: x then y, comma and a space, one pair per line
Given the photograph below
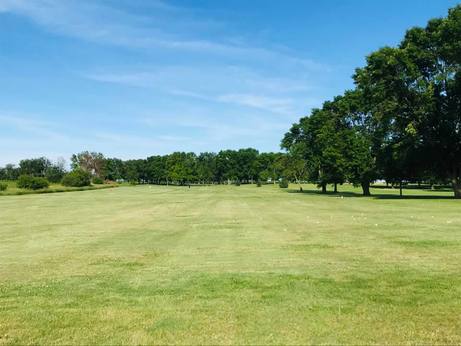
437, 188
348, 194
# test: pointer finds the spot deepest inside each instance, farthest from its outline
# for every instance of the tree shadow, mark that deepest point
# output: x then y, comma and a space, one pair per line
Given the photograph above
437, 188
349, 194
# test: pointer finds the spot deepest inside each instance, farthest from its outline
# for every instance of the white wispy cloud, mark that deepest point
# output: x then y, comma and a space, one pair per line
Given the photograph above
28, 126
233, 80
96, 22
245, 93
221, 84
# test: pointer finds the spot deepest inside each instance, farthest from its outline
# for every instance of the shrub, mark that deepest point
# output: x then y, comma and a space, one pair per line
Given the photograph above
283, 183
24, 181
77, 178
3, 186
32, 183
258, 183
39, 183
97, 180
237, 182
54, 174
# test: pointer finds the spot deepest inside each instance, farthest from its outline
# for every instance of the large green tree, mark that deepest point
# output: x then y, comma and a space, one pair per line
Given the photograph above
318, 139
414, 95
36, 167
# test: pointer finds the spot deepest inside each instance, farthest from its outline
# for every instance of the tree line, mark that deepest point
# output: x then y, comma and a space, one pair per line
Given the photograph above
401, 122
180, 168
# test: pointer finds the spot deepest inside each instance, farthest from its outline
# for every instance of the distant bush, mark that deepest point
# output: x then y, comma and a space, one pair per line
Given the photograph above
258, 183
3, 186
97, 180
283, 183
54, 174
39, 183
77, 178
24, 181
237, 182
32, 183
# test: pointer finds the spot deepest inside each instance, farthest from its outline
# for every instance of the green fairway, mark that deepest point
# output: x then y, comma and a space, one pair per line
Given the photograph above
230, 265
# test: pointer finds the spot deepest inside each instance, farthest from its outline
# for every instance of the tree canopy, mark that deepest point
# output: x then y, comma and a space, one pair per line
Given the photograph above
402, 122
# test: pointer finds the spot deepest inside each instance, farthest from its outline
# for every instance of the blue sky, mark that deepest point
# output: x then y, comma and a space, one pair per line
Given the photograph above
134, 78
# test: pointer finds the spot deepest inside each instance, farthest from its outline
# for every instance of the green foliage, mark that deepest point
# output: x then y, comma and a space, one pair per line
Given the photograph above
32, 183
3, 186
114, 169
9, 172
34, 167
401, 123
97, 180
55, 173
181, 167
91, 162
258, 183
24, 181
77, 178
283, 183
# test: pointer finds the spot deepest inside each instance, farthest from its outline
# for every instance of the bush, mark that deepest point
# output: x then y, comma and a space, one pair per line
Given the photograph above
258, 183
98, 180
39, 183
54, 174
77, 178
3, 186
24, 181
283, 184
32, 183
237, 182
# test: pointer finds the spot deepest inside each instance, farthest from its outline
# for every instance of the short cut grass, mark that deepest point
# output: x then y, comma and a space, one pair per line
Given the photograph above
230, 265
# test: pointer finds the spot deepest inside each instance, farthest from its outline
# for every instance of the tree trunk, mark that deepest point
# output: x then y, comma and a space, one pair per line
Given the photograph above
366, 188
336, 188
324, 188
456, 183
400, 188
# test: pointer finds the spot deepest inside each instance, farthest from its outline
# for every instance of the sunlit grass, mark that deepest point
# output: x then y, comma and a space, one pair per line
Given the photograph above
230, 265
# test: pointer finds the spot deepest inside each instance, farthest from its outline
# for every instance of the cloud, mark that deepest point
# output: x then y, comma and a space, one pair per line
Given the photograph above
204, 90
217, 132
277, 105
274, 80
28, 126
164, 28
238, 86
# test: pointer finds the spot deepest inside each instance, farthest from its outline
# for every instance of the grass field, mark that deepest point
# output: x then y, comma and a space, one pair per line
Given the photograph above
230, 265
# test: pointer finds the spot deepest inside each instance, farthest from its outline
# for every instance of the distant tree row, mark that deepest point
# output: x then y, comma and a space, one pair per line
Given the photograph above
401, 123
227, 166
37, 167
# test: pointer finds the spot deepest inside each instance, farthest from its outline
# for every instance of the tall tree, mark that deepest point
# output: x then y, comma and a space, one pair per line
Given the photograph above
91, 162
36, 167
